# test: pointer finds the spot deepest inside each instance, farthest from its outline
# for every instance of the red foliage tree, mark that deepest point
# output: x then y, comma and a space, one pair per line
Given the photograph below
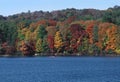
50, 40
78, 33
52, 23
7, 49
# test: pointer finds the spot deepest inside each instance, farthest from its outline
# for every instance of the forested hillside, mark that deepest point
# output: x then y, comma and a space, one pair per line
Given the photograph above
67, 32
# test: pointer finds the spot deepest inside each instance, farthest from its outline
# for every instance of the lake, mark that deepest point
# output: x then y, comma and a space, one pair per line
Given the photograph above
60, 69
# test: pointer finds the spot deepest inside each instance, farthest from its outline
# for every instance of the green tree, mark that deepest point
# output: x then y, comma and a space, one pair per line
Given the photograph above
95, 34
41, 32
83, 48
41, 45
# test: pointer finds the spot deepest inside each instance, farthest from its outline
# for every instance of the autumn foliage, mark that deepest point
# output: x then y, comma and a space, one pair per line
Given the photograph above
27, 48
68, 37
83, 37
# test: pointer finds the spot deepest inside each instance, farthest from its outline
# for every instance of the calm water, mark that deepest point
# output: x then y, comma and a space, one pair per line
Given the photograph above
60, 69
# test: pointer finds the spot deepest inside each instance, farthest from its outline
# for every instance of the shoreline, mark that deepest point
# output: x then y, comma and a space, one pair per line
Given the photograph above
63, 55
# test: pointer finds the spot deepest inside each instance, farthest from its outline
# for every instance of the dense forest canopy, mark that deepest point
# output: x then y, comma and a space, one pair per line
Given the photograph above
68, 31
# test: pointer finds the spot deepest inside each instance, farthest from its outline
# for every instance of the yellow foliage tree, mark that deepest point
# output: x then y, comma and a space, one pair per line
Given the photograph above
39, 45
27, 35
58, 43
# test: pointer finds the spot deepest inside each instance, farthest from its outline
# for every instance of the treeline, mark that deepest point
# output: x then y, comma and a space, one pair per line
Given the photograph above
69, 31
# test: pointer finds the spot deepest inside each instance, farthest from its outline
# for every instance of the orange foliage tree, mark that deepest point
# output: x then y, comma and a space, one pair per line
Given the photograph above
27, 48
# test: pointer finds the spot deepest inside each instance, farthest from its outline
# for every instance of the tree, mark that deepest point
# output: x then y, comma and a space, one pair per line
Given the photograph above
90, 30
112, 35
78, 33
39, 45
45, 45
58, 41
5, 48
1, 36
51, 30
95, 34
112, 15
41, 32
27, 48
50, 40
117, 50
93, 50
83, 48
28, 35
103, 36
